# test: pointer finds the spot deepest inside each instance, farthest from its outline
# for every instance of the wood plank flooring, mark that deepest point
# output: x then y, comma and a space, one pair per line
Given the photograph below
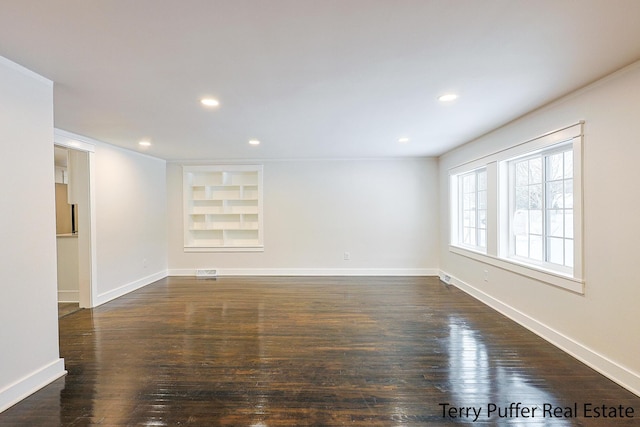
66, 308
321, 351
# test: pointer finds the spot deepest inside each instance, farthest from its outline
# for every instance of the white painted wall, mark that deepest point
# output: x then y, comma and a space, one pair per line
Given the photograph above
131, 220
602, 326
381, 211
29, 354
68, 280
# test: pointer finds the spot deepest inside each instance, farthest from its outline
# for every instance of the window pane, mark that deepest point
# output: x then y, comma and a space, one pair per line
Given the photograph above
555, 250
520, 224
555, 167
568, 193
522, 198
470, 236
482, 219
482, 180
535, 222
556, 223
535, 171
522, 246
482, 200
535, 196
522, 173
482, 236
568, 164
466, 222
568, 223
568, 256
470, 201
535, 247
555, 194
469, 183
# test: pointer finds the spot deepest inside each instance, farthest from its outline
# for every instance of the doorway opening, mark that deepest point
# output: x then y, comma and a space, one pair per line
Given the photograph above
74, 225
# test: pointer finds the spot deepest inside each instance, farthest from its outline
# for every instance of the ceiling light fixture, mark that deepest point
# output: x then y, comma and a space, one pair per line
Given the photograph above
209, 102
403, 140
144, 144
448, 97
254, 142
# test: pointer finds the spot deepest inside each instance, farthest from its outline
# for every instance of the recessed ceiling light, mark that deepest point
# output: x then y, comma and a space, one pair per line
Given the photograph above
144, 143
403, 140
447, 97
254, 142
209, 102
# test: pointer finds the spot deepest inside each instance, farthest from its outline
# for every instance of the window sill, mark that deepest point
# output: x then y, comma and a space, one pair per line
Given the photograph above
552, 278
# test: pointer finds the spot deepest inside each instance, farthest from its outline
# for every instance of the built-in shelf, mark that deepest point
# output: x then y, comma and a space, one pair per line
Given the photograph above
223, 208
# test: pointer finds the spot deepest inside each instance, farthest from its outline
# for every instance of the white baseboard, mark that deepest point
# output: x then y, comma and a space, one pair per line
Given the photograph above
68, 296
310, 271
33, 382
129, 287
600, 363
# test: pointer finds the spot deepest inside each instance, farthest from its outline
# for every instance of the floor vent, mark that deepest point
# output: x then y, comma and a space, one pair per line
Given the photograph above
203, 273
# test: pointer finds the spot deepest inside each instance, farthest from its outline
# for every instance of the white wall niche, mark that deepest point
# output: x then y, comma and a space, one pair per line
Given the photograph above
223, 208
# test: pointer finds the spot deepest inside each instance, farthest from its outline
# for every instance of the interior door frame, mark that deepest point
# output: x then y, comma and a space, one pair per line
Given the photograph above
86, 238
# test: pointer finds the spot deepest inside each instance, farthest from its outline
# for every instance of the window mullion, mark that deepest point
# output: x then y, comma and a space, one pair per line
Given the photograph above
512, 204
477, 214
461, 209
545, 220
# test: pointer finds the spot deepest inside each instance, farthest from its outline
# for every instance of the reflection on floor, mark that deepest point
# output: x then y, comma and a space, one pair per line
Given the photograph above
65, 308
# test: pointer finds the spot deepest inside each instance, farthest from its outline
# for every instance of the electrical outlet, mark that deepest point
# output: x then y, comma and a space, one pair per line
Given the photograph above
486, 275
347, 256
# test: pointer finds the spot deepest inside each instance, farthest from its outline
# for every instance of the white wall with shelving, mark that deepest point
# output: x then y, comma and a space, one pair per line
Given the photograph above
222, 208
380, 211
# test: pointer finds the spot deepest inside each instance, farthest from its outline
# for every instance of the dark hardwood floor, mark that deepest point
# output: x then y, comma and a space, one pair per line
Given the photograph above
317, 351
66, 308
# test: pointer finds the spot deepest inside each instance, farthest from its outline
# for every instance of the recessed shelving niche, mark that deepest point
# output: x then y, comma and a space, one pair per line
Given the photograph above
222, 208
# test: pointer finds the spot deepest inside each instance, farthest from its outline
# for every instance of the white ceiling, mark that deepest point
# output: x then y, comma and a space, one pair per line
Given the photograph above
310, 78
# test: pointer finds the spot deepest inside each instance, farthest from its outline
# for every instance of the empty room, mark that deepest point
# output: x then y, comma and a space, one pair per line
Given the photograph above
319, 212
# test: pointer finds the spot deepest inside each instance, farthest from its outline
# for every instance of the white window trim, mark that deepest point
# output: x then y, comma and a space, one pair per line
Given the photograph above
538, 273
498, 210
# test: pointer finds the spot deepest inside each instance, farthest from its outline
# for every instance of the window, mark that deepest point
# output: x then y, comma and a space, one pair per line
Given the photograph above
541, 207
473, 209
520, 208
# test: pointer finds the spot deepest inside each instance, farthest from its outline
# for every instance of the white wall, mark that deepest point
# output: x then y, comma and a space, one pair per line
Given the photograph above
68, 280
29, 354
131, 220
601, 326
381, 211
